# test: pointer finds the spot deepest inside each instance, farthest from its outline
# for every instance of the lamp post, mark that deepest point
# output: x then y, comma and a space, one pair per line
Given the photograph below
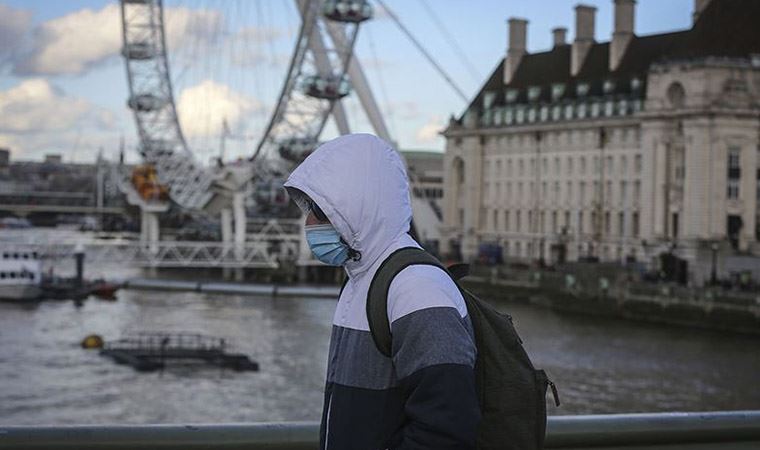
713, 275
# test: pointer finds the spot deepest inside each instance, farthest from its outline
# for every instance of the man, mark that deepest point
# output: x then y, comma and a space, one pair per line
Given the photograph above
355, 192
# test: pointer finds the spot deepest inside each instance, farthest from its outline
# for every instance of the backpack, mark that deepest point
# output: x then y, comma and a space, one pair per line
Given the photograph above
511, 392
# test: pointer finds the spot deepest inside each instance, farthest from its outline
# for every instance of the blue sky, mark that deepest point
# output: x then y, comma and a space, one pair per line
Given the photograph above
63, 85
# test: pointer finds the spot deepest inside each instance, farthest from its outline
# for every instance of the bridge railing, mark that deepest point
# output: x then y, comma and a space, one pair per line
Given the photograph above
735, 430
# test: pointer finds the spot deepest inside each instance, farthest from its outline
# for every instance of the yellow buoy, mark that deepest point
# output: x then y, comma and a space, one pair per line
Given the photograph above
92, 341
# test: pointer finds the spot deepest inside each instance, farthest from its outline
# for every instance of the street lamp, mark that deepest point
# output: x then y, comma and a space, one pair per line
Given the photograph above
713, 275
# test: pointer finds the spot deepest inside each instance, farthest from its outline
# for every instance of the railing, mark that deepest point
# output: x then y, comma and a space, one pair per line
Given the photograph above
735, 430
173, 254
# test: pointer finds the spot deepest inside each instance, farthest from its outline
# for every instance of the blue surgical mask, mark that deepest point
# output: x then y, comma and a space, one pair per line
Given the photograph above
326, 244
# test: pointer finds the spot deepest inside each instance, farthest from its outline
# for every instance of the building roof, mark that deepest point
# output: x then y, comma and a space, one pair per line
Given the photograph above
726, 28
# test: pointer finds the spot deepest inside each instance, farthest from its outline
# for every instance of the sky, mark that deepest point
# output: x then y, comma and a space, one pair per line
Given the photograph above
63, 86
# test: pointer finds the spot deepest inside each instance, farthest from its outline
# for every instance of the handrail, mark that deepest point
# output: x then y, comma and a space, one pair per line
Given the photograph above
653, 430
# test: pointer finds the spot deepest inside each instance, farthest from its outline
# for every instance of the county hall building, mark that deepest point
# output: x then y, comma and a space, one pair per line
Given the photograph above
618, 150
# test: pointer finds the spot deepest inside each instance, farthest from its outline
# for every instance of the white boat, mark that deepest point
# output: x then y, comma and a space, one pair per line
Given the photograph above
20, 274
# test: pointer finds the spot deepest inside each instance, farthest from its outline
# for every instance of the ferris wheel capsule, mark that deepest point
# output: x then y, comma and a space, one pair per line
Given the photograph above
329, 87
296, 149
353, 11
146, 102
138, 51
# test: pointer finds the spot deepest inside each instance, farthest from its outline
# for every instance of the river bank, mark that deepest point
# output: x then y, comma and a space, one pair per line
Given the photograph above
706, 308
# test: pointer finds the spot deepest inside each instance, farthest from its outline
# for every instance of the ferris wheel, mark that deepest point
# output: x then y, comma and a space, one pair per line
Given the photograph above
320, 73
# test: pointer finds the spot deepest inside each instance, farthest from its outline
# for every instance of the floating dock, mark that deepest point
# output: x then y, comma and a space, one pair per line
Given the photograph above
152, 351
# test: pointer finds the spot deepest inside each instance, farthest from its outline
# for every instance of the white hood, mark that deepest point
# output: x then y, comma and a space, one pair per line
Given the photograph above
360, 183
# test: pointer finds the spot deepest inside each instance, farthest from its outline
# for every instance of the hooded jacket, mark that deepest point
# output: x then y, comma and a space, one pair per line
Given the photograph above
423, 397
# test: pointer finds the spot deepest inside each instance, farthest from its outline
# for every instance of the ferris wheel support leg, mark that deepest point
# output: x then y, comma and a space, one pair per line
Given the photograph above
226, 222
241, 222
149, 230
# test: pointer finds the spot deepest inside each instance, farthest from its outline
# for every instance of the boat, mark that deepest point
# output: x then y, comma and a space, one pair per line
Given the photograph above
20, 274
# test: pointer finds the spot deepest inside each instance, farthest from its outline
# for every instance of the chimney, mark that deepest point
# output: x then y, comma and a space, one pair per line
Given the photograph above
623, 32
560, 36
584, 36
516, 47
699, 6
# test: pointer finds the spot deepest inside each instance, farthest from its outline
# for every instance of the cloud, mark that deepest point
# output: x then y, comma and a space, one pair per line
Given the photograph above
203, 108
35, 105
37, 117
428, 133
76, 42
14, 25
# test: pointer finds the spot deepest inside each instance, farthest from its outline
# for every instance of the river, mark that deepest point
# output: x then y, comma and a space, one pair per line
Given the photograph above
600, 366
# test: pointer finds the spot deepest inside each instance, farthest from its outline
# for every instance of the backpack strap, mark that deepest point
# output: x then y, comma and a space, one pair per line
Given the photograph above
377, 296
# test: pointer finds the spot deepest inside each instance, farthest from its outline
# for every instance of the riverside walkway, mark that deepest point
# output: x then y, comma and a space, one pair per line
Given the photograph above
735, 430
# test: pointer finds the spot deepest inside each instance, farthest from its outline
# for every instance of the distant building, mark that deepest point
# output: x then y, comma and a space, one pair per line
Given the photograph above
426, 173
618, 150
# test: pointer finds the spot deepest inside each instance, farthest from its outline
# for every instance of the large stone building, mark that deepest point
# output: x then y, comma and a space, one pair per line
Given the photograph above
614, 150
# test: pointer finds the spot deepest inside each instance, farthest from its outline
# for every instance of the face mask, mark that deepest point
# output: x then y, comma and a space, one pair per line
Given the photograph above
326, 245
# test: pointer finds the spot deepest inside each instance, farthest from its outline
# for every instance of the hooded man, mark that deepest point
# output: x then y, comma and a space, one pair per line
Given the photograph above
355, 193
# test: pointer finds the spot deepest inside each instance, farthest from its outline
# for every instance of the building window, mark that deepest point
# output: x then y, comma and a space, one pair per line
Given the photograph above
556, 166
554, 222
569, 193
582, 89
610, 165
521, 167
556, 112
621, 224
556, 192
582, 193
569, 165
544, 113
623, 189
568, 112
518, 224
733, 189
595, 109
582, 110
635, 224
623, 164
637, 191
511, 95
533, 93
637, 164
607, 220
676, 95
542, 218
558, 89
583, 165
608, 192
495, 220
675, 225
506, 221
580, 222
608, 86
734, 172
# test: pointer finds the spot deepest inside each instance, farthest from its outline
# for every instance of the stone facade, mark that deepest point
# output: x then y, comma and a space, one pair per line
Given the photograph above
656, 156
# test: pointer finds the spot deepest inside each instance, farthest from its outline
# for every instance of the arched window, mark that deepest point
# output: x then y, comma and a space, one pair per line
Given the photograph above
676, 95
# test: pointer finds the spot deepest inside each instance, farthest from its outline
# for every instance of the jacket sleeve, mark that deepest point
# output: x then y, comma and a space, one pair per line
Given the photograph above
434, 355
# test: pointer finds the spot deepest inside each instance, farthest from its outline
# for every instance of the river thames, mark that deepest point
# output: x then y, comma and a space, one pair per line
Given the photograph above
600, 366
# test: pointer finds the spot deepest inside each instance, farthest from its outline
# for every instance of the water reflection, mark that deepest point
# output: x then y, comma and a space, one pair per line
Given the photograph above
601, 366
